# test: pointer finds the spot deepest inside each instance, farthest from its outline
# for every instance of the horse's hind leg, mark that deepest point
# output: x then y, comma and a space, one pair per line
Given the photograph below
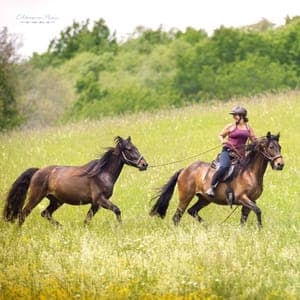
53, 206
184, 201
36, 195
92, 211
193, 211
245, 214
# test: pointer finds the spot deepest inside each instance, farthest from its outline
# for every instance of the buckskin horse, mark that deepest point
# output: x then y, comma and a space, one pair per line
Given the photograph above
246, 186
91, 183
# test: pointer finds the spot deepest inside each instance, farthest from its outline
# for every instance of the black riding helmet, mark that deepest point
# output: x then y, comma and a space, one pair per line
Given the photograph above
239, 110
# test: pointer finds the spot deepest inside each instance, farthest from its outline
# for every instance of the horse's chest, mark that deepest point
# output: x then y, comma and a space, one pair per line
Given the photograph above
254, 191
105, 185
249, 186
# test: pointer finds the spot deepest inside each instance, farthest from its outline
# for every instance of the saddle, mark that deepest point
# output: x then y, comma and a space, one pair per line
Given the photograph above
235, 160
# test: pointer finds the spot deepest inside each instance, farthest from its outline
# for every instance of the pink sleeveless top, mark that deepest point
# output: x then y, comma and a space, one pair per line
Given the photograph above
237, 140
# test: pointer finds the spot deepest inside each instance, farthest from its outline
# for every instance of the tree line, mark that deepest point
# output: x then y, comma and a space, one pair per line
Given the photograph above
152, 69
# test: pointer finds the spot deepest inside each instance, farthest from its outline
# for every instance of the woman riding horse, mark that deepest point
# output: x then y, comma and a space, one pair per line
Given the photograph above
238, 135
247, 184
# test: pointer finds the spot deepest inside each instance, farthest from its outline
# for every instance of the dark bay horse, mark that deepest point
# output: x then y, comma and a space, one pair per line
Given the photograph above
247, 185
92, 183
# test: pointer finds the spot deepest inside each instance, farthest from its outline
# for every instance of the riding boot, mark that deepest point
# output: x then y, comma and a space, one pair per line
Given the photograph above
211, 191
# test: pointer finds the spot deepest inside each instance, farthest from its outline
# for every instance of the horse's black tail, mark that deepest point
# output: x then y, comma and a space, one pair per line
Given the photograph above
17, 194
164, 196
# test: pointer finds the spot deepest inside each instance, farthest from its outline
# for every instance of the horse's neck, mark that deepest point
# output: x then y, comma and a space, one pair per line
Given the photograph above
259, 167
114, 167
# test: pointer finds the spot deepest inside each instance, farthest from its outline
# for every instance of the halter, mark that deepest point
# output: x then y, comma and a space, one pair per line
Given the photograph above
131, 162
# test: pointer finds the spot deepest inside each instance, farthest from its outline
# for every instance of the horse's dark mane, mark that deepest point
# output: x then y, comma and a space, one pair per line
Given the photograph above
252, 148
96, 166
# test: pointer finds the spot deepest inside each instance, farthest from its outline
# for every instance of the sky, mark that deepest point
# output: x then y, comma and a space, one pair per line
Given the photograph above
36, 22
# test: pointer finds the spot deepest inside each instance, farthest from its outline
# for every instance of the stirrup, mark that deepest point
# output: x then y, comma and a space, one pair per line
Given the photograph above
230, 198
210, 192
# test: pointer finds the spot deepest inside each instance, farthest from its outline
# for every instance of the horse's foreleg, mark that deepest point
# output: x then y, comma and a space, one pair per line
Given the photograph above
245, 214
245, 201
104, 202
92, 211
52, 207
193, 211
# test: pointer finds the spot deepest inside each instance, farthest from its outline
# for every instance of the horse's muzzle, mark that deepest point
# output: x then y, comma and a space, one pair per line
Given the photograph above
278, 164
143, 165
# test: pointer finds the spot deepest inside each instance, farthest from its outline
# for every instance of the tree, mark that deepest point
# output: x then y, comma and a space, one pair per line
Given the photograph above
80, 38
8, 106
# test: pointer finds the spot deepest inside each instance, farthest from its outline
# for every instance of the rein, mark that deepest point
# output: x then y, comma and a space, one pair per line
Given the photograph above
228, 216
180, 160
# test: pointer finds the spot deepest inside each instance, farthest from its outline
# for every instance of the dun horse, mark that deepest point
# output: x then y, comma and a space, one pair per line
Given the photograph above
89, 184
247, 185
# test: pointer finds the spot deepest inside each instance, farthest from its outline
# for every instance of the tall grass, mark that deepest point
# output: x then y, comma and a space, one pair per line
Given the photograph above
148, 258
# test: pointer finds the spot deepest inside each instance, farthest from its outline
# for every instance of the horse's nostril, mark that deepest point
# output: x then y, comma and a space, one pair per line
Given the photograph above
280, 166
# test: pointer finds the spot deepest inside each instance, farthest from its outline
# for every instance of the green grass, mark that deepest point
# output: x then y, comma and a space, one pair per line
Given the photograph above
148, 258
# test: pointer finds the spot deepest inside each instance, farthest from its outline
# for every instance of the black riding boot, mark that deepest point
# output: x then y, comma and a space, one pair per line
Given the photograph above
215, 181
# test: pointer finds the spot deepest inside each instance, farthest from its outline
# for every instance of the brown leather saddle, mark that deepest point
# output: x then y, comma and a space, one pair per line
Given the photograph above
228, 176
235, 160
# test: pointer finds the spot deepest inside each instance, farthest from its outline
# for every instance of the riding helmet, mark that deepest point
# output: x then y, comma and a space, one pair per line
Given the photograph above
239, 110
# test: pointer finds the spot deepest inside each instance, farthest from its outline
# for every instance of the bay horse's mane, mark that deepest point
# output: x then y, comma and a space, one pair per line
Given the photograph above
96, 166
254, 147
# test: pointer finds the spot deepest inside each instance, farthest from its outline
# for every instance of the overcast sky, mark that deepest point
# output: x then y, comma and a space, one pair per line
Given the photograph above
38, 21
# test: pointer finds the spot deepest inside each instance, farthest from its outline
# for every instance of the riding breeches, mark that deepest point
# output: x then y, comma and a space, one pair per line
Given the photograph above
223, 168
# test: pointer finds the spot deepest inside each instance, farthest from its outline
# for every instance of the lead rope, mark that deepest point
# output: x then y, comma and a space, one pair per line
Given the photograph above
231, 213
180, 160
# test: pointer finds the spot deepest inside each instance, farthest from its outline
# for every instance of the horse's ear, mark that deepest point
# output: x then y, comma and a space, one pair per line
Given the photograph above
277, 136
268, 135
118, 140
129, 139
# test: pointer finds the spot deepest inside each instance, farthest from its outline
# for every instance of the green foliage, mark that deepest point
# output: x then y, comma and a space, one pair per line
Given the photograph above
75, 39
9, 115
192, 35
147, 39
251, 76
153, 69
240, 62
43, 95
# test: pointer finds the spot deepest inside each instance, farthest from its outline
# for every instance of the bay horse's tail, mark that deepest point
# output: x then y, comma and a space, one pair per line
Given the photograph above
17, 194
164, 196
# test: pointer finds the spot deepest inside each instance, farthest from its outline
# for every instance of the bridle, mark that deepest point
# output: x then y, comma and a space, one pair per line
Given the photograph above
131, 162
269, 157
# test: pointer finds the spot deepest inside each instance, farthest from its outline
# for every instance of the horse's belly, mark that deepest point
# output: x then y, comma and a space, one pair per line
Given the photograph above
71, 190
69, 198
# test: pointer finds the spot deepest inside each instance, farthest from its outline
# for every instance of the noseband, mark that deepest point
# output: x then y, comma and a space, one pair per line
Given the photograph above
131, 162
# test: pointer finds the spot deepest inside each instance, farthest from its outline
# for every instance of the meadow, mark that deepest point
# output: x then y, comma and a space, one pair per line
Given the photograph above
149, 258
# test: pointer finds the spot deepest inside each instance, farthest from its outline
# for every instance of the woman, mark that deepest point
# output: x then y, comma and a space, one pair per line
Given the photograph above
234, 138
